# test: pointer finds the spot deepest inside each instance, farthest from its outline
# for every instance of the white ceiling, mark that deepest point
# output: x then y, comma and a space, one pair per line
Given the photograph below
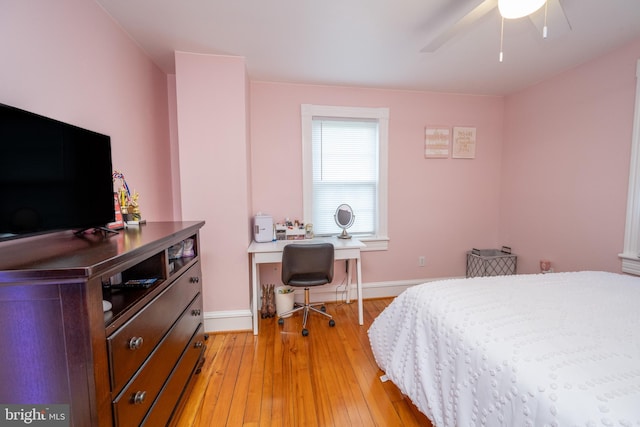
378, 43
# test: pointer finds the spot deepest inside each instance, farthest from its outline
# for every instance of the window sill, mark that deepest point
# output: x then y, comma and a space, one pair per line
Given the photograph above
630, 264
374, 243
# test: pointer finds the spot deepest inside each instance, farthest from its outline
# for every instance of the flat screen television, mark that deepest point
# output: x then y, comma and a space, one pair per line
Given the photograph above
53, 176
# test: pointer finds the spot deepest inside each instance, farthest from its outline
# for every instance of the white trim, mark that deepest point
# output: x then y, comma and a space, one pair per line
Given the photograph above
630, 265
240, 320
230, 320
395, 288
308, 111
631, 254
380, 243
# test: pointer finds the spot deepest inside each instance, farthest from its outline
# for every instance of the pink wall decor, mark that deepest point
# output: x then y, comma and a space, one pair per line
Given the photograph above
464, 143
437, 142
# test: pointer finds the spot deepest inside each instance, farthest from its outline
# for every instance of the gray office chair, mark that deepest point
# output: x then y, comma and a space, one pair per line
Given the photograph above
305, 265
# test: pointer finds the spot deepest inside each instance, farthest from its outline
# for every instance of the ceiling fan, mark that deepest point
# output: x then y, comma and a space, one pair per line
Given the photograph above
461, 15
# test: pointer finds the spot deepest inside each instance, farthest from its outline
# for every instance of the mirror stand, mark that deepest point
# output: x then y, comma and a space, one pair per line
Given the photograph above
344, 218
344, 234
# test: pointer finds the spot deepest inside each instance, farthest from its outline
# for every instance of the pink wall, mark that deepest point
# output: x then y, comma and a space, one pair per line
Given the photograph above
174, 148
567, 144
437, 208
549, 179
212, 107
68, 60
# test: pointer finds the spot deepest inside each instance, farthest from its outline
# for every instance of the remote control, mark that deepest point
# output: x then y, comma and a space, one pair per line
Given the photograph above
135, 284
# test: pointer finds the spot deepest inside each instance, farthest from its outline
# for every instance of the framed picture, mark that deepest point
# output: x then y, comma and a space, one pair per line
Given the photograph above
464, 143
437, 141
119, 222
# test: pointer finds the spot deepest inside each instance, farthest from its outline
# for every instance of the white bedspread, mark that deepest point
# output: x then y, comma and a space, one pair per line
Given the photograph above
558, 349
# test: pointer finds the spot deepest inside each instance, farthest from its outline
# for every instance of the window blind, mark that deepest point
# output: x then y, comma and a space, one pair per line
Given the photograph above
345, 170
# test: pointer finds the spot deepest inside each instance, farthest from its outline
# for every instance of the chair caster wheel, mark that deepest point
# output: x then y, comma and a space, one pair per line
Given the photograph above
305, 332
332, 323
281, 321
323, 309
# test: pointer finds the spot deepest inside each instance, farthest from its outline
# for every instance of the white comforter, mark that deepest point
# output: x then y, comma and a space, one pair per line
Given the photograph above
528, 350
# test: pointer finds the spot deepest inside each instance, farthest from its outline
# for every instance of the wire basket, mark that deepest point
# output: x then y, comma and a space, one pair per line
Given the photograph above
491, 262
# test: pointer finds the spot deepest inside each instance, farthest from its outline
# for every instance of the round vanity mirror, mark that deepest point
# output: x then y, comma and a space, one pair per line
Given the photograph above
344, 218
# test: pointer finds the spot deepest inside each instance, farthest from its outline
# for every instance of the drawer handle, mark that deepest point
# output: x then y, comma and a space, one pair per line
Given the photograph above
135, 343
198, 344
138, 398
196, 312
194, 279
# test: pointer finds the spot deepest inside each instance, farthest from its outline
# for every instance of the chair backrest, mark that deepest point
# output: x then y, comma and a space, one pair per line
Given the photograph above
307, 264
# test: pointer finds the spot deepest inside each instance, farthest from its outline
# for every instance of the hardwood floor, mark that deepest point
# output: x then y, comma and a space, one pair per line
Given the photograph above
280, 378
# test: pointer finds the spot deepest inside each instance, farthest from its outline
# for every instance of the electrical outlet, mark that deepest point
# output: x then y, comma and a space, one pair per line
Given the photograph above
421, 261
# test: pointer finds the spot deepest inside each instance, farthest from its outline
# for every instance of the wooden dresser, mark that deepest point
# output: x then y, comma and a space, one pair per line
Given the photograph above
129, 366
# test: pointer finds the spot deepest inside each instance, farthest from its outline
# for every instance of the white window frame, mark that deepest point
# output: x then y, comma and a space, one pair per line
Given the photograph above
380, 240
631, 253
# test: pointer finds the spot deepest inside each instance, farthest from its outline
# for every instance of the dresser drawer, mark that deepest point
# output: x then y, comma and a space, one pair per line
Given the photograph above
165, 405
130, 345
137, 397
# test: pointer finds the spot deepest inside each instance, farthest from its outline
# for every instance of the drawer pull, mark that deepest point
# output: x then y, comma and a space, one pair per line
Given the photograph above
198, 344
194, 279
135, 343
138, 398
196, 312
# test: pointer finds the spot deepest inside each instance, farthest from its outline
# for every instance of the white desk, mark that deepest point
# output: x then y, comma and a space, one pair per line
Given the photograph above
271, 252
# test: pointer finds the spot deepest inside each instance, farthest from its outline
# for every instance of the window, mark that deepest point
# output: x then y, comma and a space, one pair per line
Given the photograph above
345, 161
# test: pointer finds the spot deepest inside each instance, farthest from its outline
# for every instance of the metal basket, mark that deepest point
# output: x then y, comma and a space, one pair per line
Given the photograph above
491, 262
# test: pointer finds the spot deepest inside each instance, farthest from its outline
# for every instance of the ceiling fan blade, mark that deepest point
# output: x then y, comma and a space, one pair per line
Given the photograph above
557, 22
440, 38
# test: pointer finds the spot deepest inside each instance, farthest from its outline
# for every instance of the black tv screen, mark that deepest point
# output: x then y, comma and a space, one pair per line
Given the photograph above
53, 175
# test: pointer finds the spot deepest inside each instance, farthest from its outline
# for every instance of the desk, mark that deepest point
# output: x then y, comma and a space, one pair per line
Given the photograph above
271, 252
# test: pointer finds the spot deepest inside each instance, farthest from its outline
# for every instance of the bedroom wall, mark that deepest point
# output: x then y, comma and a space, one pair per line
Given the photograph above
212, 123
550, 176
567, 144
438, 208
68, 60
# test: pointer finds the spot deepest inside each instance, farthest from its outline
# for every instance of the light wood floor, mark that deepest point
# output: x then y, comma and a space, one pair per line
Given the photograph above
280, 378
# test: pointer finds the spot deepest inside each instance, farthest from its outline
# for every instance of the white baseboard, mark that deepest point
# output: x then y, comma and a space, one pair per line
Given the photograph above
240, 320
230, 320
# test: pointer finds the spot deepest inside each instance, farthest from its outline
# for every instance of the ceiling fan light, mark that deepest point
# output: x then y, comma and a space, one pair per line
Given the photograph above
512, 9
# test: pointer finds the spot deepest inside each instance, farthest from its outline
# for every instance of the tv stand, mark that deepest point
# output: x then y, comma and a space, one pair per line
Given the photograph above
129, 366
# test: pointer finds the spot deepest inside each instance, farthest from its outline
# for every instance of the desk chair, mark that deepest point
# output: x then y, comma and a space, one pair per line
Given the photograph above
305, 265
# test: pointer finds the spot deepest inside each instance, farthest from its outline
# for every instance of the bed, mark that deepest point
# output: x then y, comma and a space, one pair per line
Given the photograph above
559, 349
